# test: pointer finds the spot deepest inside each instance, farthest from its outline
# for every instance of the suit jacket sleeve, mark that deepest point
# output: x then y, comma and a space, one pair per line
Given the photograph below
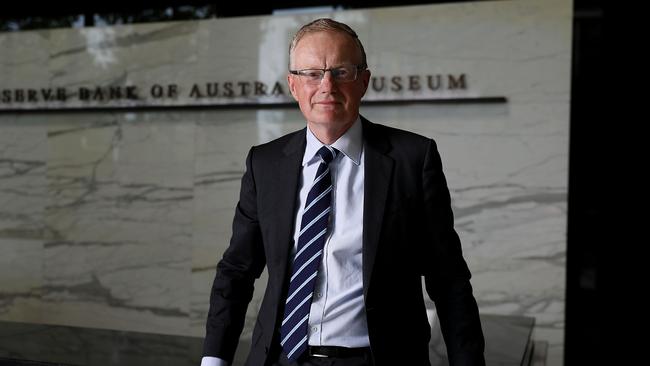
447, 280
241, 264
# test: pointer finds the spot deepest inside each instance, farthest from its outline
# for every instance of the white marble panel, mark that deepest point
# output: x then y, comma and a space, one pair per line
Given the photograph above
222, 143
23, 195
21, 263
518, 49
123, 56
24, 59
120, 214
23, 151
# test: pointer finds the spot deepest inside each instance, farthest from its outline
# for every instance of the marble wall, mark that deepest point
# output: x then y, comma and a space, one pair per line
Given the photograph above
116, 218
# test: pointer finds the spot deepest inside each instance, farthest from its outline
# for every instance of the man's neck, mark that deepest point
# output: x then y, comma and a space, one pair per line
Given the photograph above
328, 134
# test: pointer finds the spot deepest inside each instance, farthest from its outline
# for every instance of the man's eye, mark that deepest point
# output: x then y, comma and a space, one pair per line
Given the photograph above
340, 73
312, 74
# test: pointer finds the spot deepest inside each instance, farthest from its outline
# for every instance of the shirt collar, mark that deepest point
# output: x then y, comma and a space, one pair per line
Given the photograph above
350, 144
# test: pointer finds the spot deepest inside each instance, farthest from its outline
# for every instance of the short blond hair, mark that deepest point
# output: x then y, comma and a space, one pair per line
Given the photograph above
330, 25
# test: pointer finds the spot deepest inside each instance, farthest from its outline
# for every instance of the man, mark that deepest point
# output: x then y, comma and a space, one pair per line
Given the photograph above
369, 212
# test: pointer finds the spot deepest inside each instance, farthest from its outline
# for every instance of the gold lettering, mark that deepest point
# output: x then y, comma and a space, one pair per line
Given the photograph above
260, 88
172, 90
84, 93
457, 83
229, 92
61, 94
277, 89
19, 95
381, 86
431, 84
46, 94
131, 92
414, 82
114, 92
244, 88
195, 92
31, 95
98, 94
213, 89
6, 96
156, 91
397, 83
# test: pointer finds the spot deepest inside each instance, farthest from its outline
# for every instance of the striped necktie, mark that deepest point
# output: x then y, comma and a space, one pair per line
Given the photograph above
311, 240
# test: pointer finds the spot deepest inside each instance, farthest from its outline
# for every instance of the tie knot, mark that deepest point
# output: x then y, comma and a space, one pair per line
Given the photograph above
327, 153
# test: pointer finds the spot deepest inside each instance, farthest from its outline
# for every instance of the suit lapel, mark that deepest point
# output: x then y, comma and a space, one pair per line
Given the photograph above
286, 176
377, 177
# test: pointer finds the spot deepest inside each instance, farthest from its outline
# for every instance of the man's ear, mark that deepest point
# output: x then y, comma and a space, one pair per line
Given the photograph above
292, 86
365, 78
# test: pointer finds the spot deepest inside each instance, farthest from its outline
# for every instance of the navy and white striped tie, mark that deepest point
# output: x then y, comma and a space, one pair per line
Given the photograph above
311, 240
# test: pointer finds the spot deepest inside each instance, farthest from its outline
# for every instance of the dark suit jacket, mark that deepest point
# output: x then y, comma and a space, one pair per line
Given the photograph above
407, 233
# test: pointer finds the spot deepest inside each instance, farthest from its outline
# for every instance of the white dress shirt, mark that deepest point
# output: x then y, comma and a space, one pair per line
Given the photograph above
337, 316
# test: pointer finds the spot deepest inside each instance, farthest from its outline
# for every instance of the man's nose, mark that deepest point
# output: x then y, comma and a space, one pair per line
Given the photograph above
327, 82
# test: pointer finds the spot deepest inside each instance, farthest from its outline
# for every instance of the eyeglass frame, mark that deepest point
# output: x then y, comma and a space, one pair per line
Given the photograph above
357, 68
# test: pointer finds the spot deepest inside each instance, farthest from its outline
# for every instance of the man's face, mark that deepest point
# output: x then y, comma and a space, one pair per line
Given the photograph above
329, 103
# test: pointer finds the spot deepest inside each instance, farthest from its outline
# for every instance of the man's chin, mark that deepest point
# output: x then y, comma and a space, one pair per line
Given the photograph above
328, 117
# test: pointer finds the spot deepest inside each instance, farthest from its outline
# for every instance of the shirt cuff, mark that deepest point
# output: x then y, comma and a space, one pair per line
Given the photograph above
213, 361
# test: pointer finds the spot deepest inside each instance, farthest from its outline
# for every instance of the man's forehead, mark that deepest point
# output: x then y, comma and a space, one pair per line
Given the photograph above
311, 44
314, 36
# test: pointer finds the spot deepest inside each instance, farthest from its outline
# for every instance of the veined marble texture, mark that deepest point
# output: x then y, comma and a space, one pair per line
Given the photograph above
222, 143
23, 145
116, 219
119, 218
23, 196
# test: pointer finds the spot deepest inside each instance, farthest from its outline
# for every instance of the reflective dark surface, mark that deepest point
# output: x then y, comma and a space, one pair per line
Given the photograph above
61, 345
508, 342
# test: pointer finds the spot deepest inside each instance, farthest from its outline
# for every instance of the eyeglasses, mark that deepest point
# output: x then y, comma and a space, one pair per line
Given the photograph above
341, 74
